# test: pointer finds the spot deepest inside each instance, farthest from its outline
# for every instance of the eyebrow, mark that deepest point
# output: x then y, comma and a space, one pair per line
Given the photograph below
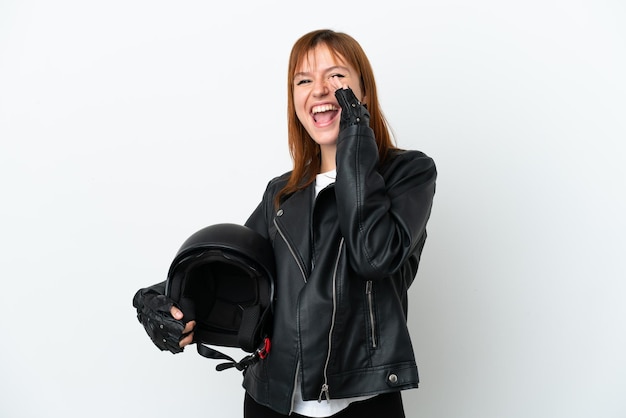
329, 69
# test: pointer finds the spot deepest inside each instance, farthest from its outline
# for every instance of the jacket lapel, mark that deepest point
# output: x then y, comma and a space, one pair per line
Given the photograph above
294, 219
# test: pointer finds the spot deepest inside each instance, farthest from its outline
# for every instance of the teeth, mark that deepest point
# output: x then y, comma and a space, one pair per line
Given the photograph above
323, 108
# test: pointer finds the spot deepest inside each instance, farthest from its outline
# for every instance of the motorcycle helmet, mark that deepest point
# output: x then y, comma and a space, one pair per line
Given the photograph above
223, 278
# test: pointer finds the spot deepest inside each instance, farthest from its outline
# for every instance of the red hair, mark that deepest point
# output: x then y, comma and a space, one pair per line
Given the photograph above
305, 152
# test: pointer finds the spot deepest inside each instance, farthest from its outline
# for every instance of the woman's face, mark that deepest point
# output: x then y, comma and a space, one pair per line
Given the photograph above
315, 83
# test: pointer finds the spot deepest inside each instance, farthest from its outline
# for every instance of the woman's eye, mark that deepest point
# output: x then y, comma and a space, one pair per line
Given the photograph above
338, 75
300, 82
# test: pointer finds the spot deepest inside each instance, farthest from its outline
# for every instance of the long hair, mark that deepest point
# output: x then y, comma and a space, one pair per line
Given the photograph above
305, 152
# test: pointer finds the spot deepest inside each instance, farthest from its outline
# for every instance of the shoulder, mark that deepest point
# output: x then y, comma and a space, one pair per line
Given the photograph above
274, 185
408, 161
406, 171
278, 182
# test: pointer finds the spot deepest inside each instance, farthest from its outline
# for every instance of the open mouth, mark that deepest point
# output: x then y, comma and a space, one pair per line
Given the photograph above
324, 114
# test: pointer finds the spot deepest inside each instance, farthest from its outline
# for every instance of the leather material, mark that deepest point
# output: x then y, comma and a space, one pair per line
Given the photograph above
353, 112
153, 312
344, 263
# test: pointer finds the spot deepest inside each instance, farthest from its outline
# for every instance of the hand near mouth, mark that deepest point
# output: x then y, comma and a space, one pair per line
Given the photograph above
353, 112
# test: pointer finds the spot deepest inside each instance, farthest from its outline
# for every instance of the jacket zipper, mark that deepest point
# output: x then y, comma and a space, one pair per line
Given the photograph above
370, 305
291, 250
325, 389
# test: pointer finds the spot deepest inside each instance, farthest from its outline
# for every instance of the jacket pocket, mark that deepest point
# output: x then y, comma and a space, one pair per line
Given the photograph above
371, 313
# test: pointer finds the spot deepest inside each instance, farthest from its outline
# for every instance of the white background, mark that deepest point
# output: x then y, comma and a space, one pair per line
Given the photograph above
125, 126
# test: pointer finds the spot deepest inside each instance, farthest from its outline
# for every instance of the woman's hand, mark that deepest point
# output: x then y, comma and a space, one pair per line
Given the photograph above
336, 83
353, 112
163, 321
187, 336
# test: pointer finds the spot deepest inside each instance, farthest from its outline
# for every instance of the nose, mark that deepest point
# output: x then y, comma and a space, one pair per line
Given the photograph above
321, 88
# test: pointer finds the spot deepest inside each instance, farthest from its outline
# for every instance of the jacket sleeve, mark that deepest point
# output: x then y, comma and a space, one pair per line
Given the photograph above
382, 219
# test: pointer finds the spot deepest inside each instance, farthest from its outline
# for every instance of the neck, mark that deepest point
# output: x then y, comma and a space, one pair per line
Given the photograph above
327, 154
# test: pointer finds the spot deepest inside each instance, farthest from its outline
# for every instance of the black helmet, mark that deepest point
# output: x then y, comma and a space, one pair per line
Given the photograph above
223, 278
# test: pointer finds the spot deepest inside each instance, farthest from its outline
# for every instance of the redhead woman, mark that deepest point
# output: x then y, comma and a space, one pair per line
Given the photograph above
347, 226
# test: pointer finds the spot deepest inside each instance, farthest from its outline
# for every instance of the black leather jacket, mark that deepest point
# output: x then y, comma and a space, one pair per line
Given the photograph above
344, 263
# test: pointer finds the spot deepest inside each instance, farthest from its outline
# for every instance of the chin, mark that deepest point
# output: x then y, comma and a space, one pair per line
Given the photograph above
326, 139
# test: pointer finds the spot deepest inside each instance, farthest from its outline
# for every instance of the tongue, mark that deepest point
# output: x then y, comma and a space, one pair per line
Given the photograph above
324, 117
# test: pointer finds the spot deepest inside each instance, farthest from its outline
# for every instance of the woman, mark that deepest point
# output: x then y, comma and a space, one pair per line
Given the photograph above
347, 225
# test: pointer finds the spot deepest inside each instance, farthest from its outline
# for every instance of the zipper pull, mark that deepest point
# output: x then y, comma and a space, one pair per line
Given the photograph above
325, 393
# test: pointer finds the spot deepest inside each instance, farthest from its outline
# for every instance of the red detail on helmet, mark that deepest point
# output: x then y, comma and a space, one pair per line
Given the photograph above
267, 345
